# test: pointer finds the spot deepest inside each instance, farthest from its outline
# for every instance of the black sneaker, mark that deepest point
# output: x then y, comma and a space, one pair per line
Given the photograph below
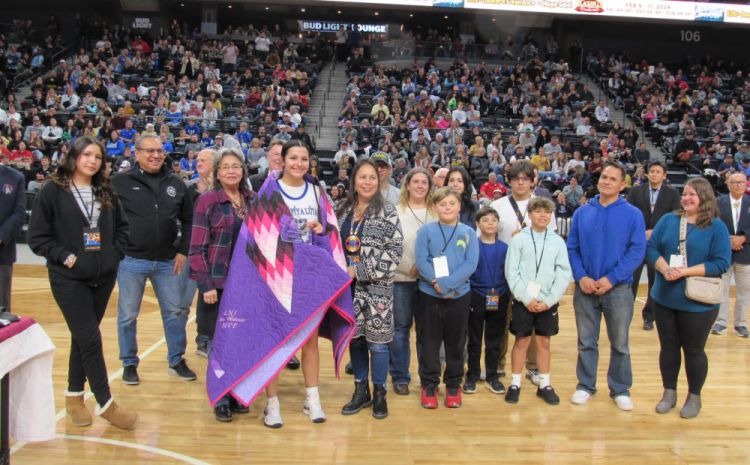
182, 371
548, 395
470, 387
514, 392
496, 386
201, 349
236, 407
130, 375
293, 364
223, 413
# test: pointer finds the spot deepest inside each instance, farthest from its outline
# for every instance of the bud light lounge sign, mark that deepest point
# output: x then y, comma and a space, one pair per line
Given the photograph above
334, 26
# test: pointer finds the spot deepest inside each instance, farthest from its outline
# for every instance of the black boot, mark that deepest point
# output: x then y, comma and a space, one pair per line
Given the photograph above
379, 405
360, 399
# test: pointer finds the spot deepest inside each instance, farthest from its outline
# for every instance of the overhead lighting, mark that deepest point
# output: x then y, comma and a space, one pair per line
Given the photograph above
268, 8
376, 13
411, 15
182, 4
338, 12
229, 6
302, 10
446, 16
493, 20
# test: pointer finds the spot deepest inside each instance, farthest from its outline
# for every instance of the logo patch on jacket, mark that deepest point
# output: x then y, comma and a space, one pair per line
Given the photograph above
8, 189
171, 191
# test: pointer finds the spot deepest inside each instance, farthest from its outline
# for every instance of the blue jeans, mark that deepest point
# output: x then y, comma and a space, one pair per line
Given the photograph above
363, 353
187, 294
131, 280
404, 302
617, 308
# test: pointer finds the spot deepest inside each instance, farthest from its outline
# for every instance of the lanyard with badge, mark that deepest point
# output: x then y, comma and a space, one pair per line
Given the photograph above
92, 237
440, 263
533, 288
492, 303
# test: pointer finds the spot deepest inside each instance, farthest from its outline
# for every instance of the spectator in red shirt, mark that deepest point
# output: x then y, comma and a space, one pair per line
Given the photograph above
487, 191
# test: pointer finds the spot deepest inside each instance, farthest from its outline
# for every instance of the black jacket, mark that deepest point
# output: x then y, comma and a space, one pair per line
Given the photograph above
743, 225
56, 231
154, 205
12, 211
667, 201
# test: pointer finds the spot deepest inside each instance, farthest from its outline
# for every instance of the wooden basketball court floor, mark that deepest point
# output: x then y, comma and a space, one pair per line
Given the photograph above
177, 426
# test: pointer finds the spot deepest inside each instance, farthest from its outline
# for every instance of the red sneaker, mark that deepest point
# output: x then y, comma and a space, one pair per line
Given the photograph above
429, 397
453, 397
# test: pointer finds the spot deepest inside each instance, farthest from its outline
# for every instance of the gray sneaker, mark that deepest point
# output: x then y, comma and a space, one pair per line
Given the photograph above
741, 331
718, 329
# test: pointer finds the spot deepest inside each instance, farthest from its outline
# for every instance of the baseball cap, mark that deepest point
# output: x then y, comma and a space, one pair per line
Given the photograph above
381, 157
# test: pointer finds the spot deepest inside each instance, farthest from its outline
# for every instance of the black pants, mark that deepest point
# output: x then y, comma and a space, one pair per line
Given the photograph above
6, 278
648, 309
442, 321
206, 315
83, 305
686, 331
492, 324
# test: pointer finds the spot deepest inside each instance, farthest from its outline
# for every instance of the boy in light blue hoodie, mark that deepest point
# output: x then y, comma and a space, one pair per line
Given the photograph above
538, 272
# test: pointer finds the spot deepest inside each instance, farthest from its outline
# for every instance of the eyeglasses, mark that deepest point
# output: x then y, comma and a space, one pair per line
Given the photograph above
230, 167
152, 151
521, 179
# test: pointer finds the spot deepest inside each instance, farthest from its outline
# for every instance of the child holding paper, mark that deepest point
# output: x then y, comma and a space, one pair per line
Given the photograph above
447, 253
538, 272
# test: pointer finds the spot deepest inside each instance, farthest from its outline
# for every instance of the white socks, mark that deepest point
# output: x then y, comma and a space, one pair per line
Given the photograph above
312, 391
273, 401
543, 380
515, 379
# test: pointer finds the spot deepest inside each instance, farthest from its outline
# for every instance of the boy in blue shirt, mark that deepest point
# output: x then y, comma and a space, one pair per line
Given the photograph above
538, 272
489, 304
446, 254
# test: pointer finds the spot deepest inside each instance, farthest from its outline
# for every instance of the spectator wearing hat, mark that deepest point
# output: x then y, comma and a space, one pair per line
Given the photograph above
385, 169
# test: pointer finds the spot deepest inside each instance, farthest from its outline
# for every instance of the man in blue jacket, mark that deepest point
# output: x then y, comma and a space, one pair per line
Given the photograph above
12, 216
607, 242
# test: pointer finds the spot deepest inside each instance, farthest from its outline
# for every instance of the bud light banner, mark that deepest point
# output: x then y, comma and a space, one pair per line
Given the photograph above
334, 26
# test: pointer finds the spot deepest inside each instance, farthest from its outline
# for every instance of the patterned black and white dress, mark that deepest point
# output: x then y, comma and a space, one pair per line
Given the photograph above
379, 254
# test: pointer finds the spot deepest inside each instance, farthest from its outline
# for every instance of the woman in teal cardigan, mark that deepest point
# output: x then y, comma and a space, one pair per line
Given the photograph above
682, 323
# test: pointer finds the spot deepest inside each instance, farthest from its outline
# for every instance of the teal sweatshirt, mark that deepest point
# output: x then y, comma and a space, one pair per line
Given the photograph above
710, 246
462, 251
521, 263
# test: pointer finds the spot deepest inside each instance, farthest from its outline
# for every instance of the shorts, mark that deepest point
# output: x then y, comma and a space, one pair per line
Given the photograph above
523, 322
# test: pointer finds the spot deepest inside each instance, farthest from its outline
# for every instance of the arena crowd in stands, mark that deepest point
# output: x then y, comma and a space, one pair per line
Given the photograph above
696, 110
193, 91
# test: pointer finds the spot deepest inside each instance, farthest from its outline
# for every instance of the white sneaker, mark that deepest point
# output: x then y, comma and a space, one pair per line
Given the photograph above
313, 409
580, 397
624, 403
272, 415
533, 376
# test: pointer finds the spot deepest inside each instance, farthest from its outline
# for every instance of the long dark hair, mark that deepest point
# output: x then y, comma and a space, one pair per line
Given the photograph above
466, 203
376, 203
101, 185
290, 144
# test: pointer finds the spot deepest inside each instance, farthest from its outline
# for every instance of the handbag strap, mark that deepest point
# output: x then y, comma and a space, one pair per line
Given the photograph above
683, 237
